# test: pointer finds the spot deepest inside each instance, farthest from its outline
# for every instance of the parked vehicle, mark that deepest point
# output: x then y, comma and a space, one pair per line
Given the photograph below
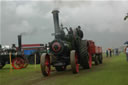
13, 55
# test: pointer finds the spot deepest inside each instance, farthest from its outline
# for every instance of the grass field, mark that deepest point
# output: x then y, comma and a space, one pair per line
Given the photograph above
114, 71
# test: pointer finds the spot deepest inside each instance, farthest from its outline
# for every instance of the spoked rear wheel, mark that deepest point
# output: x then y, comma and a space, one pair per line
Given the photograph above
18, 63
85, 57
96, 60
74, 61
100, 59
45, 64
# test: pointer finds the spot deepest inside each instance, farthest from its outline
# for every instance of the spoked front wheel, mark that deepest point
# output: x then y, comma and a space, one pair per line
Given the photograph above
96, 60
45, 64
74, 61
100, 59
18, 63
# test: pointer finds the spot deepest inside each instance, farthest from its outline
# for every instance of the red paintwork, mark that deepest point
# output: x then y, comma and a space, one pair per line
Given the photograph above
31, 45
57, 44
47, 63
90, 60
93, 49
76, 62
17, 63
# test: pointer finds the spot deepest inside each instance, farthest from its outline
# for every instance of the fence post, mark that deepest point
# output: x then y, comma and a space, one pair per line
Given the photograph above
35, 61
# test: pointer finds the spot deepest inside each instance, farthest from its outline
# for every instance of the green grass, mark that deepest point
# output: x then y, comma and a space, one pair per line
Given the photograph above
114, 71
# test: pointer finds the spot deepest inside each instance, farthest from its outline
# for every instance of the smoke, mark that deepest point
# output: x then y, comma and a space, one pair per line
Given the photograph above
30, 32
58, 4
23, 33
101, 21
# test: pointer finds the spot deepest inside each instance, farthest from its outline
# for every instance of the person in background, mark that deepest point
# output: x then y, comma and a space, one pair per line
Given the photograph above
117, 52
126, 51
106, 53
110, 52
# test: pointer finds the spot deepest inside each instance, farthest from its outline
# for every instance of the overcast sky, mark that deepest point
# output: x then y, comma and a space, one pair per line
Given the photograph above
101, 21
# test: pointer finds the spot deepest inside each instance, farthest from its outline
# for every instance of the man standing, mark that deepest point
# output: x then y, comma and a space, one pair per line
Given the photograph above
126, 51
110, 52
117, 52
106, 53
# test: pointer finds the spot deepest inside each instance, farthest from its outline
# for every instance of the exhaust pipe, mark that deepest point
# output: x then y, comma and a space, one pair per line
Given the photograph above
19, 42
56, 23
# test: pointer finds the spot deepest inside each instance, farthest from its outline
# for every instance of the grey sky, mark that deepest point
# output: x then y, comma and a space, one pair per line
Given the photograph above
101, 21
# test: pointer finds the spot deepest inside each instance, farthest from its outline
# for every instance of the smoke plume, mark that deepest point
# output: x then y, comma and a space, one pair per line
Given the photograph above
72, 3
30, 32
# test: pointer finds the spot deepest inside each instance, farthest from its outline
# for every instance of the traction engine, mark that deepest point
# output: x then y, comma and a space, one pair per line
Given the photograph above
15, 55
68, 48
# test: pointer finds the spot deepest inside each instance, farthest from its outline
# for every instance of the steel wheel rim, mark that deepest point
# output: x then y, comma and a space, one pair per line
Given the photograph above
47, 65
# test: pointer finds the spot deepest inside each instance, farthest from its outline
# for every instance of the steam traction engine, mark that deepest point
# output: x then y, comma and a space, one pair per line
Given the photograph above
69, 49
17, 59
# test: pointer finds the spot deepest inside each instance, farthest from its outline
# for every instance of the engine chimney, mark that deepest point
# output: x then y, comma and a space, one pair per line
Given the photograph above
56, 22
19, 42
0, 46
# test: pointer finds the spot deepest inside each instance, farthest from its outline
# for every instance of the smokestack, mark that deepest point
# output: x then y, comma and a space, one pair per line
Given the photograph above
0, 46
19, 42
56, 22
